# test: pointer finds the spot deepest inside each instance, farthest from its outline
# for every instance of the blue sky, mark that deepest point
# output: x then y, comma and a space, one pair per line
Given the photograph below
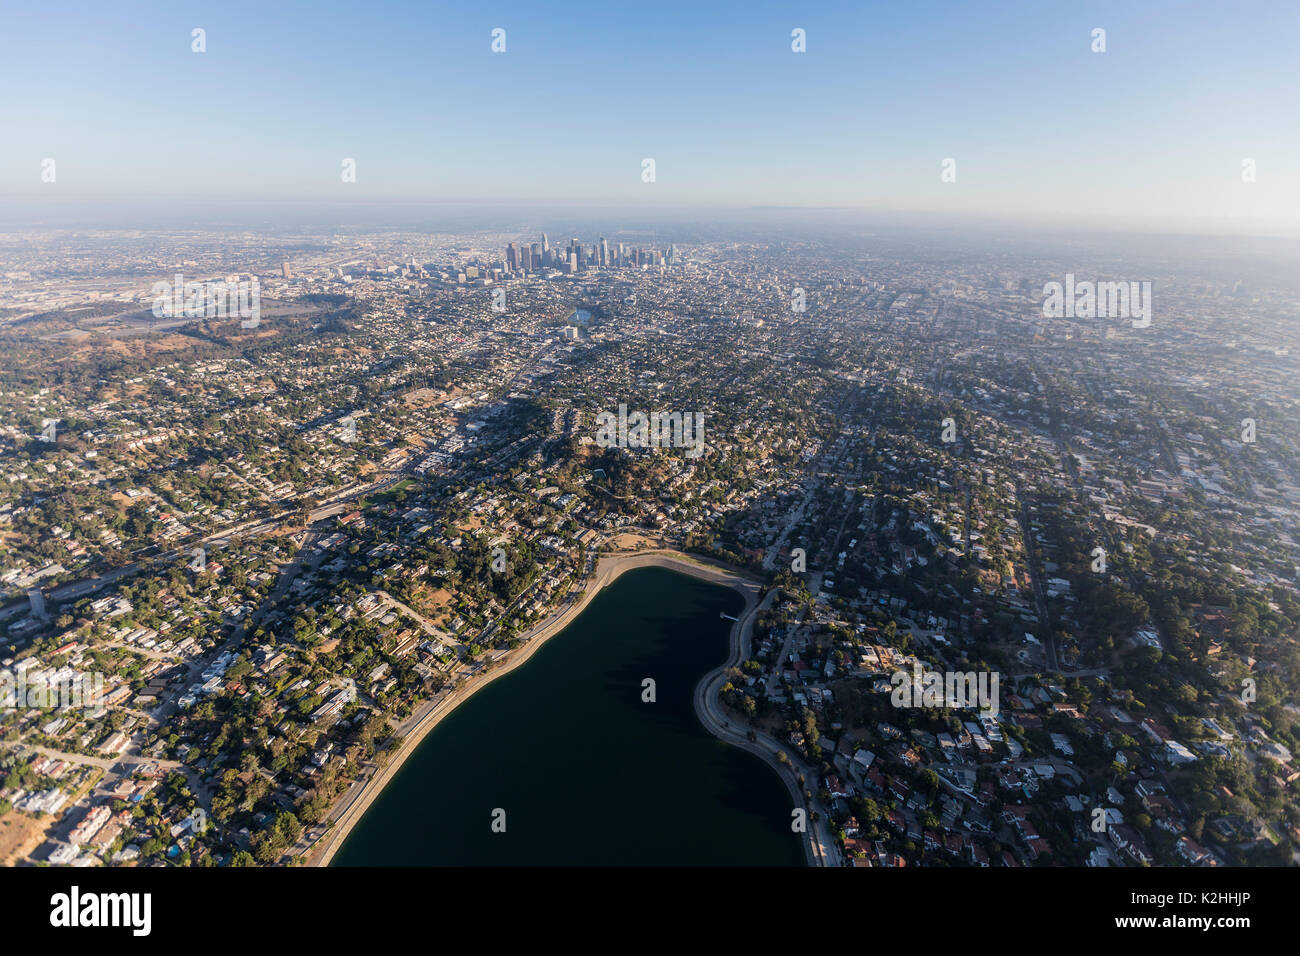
1154, 130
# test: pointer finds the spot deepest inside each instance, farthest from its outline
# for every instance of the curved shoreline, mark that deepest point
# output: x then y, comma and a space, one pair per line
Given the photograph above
346, 814
708, 712
818, 843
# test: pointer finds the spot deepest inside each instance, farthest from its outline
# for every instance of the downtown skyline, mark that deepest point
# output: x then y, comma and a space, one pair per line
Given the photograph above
1152, 133
597, 440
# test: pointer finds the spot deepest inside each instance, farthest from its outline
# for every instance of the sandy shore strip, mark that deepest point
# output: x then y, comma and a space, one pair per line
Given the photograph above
357, 800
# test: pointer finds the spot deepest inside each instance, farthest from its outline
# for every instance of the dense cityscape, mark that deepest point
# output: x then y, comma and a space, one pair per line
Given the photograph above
275, 541
620, 468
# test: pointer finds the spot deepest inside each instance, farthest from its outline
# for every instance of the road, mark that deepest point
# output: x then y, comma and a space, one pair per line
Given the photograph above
1035, 581
1112, 543
354, 803
820, 848
339, 502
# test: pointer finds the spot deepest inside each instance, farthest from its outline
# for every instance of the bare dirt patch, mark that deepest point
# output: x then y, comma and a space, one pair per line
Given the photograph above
20, 834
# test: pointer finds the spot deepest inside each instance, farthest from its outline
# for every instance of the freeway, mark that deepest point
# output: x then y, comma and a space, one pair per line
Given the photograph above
341, 501
332, 505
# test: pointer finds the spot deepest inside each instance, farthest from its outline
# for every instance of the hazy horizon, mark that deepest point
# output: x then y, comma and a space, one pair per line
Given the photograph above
1150, 135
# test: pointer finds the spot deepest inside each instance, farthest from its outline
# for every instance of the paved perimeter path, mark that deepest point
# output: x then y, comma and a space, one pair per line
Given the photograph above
820, 846
819, 842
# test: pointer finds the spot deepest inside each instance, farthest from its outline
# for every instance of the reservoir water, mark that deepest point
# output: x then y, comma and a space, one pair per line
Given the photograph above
587, 773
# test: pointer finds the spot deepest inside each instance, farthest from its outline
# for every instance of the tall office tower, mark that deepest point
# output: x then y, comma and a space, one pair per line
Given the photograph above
526, 258
546, 244
537, 257
573, 262
604, 251
284, 269
512, 257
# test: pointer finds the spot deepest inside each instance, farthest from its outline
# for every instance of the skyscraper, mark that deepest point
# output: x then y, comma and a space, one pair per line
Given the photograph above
284, 269
512, 257
604, 251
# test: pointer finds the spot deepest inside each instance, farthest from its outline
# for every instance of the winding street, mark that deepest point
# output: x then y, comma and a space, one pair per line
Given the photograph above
820, 848
819, 843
